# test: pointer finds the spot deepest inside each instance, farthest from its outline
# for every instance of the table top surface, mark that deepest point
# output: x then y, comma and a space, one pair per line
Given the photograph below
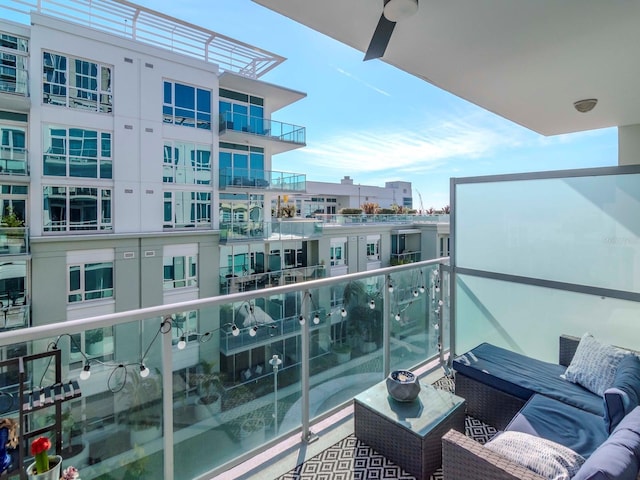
420, 416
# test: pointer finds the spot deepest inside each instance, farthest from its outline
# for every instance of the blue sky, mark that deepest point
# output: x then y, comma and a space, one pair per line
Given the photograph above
376, 123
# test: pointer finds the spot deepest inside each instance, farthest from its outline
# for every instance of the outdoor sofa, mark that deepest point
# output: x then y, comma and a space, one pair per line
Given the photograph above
579, 417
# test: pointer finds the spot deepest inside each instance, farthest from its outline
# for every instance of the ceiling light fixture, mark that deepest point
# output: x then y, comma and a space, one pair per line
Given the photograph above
586, 105
398, 10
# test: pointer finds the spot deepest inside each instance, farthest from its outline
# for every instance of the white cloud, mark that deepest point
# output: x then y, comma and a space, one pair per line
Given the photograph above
418, 150
368, 85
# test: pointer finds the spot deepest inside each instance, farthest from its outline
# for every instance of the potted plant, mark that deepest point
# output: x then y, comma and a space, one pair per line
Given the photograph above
252, 431
15, 232
142, 404
209, 387
75, 449
342, 352
44, 467
94, 341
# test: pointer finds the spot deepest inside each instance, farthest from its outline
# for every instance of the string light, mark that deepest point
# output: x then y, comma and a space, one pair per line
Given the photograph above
316, 319
182, 343
144, 371
86, 372
343, 312
253, 331
301, 320
372, 304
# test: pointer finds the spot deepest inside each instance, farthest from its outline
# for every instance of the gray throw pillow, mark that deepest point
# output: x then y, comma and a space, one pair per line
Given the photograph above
594, 365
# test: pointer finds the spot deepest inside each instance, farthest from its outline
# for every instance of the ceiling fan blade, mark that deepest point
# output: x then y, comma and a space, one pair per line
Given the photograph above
380, 38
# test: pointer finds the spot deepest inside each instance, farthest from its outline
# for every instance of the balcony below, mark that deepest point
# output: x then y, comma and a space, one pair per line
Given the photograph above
14, 241
279, 136
244, 179
282, 230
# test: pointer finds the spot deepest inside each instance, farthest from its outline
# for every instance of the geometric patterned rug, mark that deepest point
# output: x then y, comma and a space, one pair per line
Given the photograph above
351, 459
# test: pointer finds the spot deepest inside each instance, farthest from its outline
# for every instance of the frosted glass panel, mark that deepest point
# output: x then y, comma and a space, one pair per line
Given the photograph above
529, 319
582, 230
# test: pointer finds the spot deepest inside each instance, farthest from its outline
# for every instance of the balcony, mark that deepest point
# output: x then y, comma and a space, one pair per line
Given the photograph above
243, 283
350, 219
517, 280
14, 161
325, 331
257, 179
281, 137
14, 241
279, 230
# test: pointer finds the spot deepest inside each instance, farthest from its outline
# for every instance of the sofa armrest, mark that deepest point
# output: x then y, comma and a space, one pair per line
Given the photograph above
568, 346
465, 459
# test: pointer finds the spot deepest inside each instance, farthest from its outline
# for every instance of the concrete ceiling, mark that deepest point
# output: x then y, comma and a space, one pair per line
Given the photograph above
526, 60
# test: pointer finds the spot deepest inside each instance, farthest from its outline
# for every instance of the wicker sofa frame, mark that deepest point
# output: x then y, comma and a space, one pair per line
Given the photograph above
465, 459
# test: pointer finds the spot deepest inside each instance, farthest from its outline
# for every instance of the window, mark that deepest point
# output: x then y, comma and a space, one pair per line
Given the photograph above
242, 165
13, 64
186, 163
76, 152
187, 209
13, 154
90, 281
444, 246
373, 247
76, 208
76, 83
186, 105
338, 251
180, 271
242, 112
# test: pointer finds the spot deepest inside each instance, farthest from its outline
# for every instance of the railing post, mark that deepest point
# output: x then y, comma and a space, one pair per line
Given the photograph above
167, 404
386, 327
307, 435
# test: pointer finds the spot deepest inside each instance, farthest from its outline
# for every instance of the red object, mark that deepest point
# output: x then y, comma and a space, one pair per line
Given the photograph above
39, 445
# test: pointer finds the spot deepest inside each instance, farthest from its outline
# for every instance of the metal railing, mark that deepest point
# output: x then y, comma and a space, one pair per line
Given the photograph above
165, 388
262, 179
273, 129
278, 230
125, 19
232, 283
402, 218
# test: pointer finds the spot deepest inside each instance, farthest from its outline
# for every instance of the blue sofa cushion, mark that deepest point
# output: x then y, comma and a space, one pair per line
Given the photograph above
619, 456
624, 396
542, 456
595, 364
581, 431
523, 376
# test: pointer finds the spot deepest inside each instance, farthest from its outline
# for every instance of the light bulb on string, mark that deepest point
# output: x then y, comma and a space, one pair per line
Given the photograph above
301, 320
182, 343
316, 319
372, 304
422, 289
144, 371
86, 372
415, 293
253, 332
343, 312
397, 317
235, 331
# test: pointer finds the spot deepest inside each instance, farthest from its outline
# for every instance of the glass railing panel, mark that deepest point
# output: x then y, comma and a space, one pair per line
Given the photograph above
167, 383
529, 319
261, 179
274, 129
279, 230
13, 161
346, 350
414, 311
559, 229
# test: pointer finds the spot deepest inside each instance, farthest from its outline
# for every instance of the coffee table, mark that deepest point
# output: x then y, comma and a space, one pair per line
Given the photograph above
408, 433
